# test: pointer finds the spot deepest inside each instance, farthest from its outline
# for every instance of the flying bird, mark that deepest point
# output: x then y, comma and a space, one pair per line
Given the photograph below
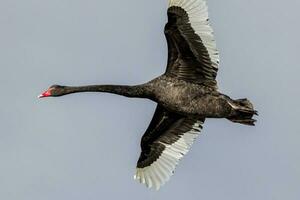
186, 94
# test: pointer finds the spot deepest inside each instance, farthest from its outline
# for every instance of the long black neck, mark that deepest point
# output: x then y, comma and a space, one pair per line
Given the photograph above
138, 91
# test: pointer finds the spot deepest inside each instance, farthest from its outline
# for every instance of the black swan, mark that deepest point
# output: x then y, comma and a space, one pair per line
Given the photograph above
186, 93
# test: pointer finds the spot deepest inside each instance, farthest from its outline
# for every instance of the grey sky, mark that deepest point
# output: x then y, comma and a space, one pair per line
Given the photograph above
86, 146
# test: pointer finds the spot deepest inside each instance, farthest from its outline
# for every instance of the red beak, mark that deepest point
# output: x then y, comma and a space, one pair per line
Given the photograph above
45, 94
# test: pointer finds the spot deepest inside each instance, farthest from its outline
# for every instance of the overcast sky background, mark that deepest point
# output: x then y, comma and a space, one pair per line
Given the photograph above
85, 146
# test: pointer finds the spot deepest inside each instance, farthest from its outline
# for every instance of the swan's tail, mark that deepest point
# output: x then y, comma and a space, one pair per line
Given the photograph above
243, 112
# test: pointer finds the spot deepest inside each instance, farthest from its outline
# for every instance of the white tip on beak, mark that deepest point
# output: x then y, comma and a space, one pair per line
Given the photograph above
40, 96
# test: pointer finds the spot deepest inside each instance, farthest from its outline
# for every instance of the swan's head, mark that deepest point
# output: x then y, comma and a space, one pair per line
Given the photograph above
53, 91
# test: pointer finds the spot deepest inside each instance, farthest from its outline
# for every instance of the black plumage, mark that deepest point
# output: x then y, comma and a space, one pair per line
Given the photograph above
186, 93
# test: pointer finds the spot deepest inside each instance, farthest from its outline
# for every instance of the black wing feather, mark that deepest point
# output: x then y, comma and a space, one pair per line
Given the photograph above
168, 137
188, 57
161, 121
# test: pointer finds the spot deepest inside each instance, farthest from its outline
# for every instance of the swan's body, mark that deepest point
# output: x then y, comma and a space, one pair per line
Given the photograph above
189, 99
186, 93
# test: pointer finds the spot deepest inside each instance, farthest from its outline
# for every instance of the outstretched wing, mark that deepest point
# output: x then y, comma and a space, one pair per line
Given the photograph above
192, 52
167, 139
